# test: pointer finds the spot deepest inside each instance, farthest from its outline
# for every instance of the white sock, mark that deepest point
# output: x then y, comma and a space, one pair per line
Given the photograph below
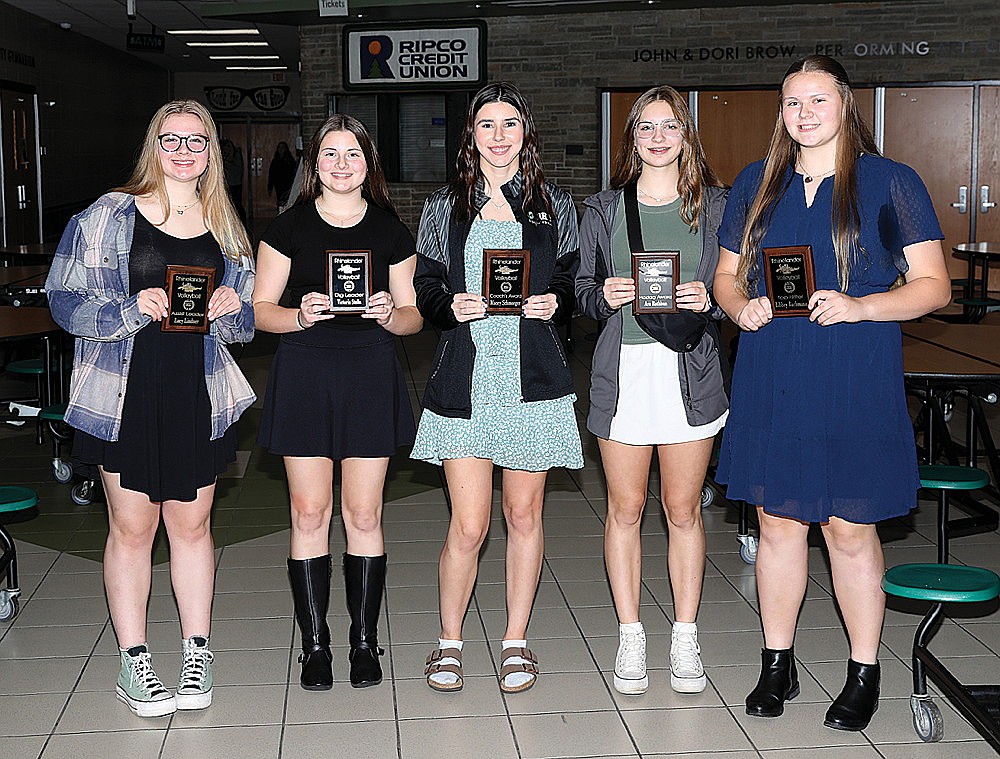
630, 627
685, 627
515, 679
447, 678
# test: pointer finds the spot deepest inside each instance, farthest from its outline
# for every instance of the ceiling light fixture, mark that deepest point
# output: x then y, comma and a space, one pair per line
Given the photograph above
256, 68
244, 58
226, 44
213, 31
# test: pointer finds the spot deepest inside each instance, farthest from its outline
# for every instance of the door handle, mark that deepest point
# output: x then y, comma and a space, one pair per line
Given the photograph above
963, 200
985, 204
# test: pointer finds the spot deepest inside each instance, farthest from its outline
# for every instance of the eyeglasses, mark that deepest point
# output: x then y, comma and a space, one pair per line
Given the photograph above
171, 143
645, 130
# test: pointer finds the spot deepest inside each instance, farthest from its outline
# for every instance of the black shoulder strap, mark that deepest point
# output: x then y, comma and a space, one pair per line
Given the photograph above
633, 226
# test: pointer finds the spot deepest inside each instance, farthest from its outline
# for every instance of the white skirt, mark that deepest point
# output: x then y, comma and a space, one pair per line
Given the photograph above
650, 407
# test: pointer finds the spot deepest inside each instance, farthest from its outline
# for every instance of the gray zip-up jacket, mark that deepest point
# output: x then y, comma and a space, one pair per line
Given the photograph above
702, 370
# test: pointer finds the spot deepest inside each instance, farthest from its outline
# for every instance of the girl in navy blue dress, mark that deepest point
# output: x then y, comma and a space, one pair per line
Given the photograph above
818, 429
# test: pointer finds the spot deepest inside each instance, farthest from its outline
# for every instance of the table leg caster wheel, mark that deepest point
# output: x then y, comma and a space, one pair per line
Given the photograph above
707, 496
9, 605
82, 493
61, 471
927, 720
748, 548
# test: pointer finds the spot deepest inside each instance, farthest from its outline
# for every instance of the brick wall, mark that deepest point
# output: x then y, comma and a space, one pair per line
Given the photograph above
562, 74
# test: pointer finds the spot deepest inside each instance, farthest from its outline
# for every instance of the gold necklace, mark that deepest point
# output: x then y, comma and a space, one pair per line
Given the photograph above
342, 219
668, 199
807, 177
181, 209
499, 206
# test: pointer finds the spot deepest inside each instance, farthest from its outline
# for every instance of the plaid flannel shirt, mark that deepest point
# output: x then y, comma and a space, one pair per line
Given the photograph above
88, 292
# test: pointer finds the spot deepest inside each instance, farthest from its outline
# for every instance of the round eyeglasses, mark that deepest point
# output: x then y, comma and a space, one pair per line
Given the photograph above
171, 143
644, 130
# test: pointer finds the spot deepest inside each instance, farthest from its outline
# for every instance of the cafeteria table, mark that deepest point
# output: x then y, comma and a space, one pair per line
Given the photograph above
976, 296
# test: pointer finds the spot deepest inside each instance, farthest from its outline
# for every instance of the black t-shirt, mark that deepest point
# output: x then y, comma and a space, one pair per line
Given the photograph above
302, 235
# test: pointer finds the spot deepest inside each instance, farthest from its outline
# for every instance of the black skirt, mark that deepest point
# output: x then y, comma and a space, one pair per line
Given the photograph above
347, 400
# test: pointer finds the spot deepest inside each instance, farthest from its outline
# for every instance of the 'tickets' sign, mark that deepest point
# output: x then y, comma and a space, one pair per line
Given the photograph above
403, 57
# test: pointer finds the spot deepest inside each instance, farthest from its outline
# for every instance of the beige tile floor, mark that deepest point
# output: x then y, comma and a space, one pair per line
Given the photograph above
58, 657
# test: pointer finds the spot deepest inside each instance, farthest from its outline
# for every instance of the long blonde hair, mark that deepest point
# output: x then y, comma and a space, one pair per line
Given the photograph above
854, 139
217, 209
695, 171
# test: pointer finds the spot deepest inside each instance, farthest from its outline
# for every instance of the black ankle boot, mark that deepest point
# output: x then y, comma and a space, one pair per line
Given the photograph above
311, 592
779, 682
858, 701
364, 578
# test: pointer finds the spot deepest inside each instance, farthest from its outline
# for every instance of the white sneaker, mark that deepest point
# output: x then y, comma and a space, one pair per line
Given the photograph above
194, 690
687, 675
630, 664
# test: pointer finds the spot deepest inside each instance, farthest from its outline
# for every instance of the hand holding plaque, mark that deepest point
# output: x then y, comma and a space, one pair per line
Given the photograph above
656, 277
789, 278
189, 289
349, 280
505, 280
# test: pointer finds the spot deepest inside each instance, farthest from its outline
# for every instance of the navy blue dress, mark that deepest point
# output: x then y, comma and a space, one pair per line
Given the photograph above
818, 423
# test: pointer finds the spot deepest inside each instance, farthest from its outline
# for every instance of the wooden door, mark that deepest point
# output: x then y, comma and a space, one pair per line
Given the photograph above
621, 104
234, 137
930, 129
19, 153
988, 219
735, 128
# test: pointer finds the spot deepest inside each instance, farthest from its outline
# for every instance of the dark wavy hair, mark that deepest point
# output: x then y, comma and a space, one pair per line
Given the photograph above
854, 140
374, 190
467, 169
694, 169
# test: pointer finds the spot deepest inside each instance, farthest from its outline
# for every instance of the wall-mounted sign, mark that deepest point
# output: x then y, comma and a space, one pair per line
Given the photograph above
272, 98
753, 53
16, 56
405, 57
145, 43
332, 7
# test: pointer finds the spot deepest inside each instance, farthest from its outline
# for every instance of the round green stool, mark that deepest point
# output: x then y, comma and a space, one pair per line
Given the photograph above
945, 478
941, 584
12, 498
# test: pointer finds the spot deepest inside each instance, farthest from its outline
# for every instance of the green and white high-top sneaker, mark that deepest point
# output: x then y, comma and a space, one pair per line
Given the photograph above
138, 686
195, 688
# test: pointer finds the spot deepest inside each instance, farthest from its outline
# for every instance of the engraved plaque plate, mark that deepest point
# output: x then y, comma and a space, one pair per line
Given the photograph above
505, 280
788, 275
348, 280
189, 289
656, 275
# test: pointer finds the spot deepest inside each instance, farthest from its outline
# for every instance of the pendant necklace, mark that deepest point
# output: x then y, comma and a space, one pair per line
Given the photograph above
807, 177
499, 206
342, 219
181, 209
666, 199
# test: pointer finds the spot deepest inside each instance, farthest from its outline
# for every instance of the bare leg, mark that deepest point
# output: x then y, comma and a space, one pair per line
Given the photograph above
782, 573
470, 485
132, 523
361, 487
310, 487
857, 563
626, 469
192, 559
682, 475
523, 495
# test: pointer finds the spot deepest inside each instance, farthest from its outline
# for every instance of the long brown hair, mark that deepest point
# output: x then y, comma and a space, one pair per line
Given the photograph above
695, 171
467, 170
219, 215
374, 190
854, 139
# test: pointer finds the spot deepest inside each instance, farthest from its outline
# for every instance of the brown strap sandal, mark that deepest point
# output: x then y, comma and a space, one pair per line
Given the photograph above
434, 666
529, 665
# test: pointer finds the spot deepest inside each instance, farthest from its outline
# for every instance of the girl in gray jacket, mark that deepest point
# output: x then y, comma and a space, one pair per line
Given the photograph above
657, 378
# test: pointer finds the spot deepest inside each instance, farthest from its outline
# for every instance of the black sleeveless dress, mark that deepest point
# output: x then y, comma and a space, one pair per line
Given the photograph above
163, 447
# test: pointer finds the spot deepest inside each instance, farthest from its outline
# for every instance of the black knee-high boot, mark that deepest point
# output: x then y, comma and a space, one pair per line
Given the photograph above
311, 592
364, 578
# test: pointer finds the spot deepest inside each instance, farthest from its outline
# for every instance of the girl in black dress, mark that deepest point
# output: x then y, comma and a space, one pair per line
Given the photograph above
153, 409
336, 390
